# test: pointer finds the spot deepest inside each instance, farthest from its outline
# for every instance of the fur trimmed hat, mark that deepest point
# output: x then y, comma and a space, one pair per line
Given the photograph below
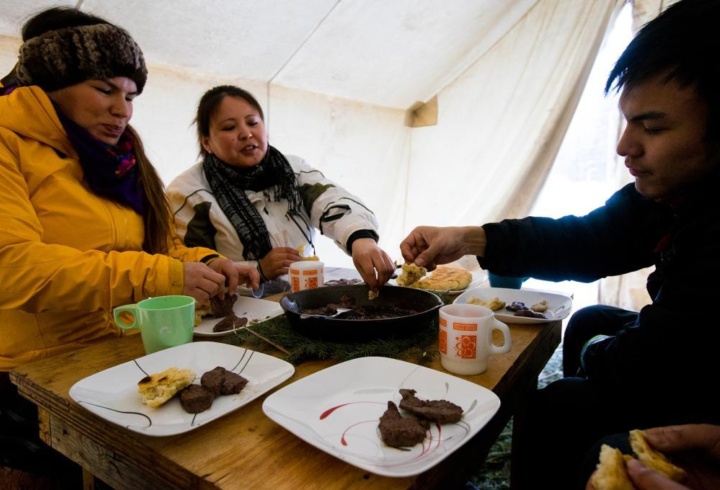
68, 56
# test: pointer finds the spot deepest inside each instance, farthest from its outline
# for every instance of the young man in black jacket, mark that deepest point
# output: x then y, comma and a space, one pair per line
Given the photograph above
626, 370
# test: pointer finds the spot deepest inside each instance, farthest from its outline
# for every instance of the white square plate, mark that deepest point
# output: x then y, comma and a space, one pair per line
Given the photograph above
113, 394
255, 310
338, 409
559, 306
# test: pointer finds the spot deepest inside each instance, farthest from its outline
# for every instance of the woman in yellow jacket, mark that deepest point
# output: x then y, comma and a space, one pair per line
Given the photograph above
84, 222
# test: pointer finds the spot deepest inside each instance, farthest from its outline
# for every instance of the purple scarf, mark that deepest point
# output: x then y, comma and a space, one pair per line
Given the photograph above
109, 169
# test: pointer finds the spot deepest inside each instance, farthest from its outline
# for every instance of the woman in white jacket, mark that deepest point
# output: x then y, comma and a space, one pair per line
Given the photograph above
251, 203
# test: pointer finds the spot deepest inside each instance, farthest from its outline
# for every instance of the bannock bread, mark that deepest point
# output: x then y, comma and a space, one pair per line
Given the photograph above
410, 274
611, 473
445, 279
652, 458
158, 388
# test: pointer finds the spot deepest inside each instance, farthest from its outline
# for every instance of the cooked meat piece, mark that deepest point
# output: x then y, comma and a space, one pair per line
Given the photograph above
440, 411
399, 431
517, 306
230, 322
223, 307
530, 314
233, 383
220, 381
196, 399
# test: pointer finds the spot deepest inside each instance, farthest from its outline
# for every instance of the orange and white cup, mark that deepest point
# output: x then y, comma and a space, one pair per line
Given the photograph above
466, 338
306, 274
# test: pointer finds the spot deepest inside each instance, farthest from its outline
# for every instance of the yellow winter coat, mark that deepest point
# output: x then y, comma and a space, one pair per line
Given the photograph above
67, 256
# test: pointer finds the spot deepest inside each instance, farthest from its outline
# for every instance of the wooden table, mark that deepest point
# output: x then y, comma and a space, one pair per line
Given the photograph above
245, 449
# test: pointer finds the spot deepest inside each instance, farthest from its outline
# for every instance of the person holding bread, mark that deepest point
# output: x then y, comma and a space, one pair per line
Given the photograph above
694, 450
625, 369
85, 221
254, 204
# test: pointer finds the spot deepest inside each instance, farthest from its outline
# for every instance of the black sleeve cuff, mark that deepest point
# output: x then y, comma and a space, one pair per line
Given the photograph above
360, 234
208, 258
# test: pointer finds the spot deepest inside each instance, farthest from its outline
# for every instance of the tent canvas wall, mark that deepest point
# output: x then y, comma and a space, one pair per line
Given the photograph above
433, 111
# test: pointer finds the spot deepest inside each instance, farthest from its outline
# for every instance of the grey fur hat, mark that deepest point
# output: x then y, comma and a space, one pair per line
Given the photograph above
65, 57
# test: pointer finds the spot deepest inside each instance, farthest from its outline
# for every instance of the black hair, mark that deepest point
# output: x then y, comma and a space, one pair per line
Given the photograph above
209, 103
683, 44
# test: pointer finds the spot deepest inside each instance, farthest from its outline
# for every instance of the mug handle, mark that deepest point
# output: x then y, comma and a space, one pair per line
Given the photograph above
507, 343
118, 316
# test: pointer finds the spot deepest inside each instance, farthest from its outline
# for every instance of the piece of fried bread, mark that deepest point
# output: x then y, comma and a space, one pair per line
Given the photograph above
446, 279
611, 473
158, 388
652, 458
493, 303
410, 274
301, 251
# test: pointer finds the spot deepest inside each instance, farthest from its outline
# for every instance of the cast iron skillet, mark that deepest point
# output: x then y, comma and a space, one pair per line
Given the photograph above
344, 330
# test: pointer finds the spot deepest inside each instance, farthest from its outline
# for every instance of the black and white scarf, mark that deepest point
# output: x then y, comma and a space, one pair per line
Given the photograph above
273, 176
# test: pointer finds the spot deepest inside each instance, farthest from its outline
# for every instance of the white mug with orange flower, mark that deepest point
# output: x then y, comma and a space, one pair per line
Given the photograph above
466, 338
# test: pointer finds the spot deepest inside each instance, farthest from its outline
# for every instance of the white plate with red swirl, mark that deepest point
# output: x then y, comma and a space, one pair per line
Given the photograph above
337, 410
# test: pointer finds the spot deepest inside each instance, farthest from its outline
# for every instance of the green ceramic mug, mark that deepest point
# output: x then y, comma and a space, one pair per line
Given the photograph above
165, 321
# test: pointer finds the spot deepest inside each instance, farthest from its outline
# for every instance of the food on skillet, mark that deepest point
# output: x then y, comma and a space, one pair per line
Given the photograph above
359, 312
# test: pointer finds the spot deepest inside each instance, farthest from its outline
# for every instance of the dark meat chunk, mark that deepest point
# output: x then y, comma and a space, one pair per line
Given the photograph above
222, 307
196, 398
517, 306
530, 314
230, 322
399, 431
440, 411
220, 381
343, 282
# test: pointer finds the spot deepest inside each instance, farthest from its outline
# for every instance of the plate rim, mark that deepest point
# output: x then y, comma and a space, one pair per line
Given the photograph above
283, 417
520, 319
190, 421
265, 302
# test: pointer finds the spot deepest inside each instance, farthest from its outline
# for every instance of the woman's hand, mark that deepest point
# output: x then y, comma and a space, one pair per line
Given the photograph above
201, 282
277, 261
236, 274
693, 447
373, 263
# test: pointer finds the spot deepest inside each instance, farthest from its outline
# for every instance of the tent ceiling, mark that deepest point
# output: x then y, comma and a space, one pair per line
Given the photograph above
391, 53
